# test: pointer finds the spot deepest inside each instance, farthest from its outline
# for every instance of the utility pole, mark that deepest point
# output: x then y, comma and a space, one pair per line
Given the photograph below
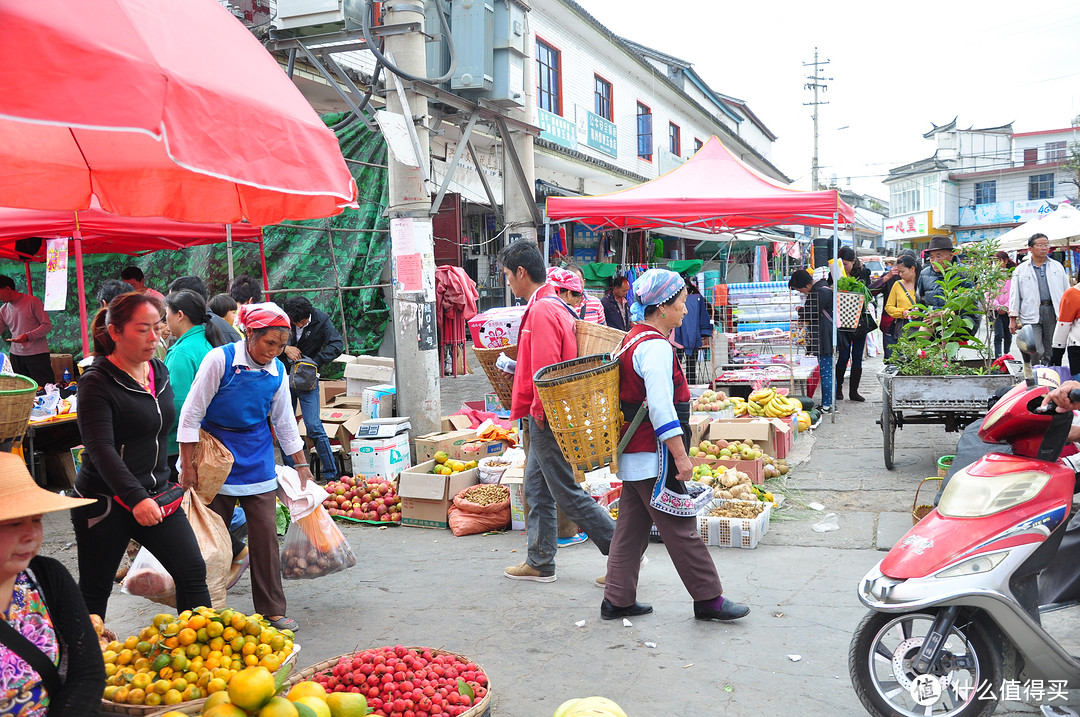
416, 346
816, 83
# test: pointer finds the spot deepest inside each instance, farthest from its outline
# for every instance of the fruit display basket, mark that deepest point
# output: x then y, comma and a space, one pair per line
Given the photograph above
734, 532
326, 666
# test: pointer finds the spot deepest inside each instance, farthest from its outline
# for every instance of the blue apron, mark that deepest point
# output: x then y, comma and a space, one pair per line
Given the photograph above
237, 416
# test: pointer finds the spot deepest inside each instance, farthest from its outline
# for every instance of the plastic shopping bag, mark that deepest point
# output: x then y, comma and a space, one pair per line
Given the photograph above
214, 544
213, 463
314, 547
148, 578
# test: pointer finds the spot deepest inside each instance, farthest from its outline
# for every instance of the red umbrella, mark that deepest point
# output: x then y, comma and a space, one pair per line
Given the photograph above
159, 110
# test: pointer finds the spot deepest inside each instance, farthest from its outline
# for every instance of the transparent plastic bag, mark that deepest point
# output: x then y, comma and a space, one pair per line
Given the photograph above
148, 578
314, 547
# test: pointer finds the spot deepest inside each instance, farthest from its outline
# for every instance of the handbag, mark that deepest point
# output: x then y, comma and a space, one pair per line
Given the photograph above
28, 651
168, 500
304, 376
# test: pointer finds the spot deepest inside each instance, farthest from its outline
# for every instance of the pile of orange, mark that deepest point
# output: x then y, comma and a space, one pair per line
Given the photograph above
444, 465
185, 657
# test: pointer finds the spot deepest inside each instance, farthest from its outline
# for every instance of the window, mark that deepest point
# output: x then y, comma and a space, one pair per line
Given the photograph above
1031, 155
674, 134
644, 132
985, 192
1041, 186
549, 79
602, 99
913, 195
697, 144
1055, 151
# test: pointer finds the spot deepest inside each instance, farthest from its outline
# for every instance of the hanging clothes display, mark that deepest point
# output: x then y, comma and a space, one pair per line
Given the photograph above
455, 301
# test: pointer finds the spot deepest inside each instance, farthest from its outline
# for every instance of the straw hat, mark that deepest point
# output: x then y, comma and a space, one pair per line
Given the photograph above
20, 496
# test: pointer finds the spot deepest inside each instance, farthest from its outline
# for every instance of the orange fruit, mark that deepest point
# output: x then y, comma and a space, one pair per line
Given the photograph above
172, 697
153, 699
306, 689
262, 650
136, 697
141, 681
187, 636
224, 710
278, 707
192, 692
251, 660
229, 633
238, 621
214, 629
270, 662
196, 621
131, 642
109, 692
160, 686
218, 698
124, 658
316, 705
121, 694
216, 685
250, 689
172, 713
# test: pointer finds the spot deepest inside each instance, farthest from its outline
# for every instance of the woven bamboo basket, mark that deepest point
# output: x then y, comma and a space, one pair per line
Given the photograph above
319, 667
920, 511
16, 401
581, 405
502, 382
593, 338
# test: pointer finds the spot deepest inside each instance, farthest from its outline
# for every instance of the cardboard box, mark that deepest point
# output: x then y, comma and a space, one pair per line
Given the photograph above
459, 445
496, 327
514, 479
699, 423
367, 371
772, 434
343, 401
379, 401
59, 363
754, 468
386, 457
426, 497
328, 390
455, 423
339, 423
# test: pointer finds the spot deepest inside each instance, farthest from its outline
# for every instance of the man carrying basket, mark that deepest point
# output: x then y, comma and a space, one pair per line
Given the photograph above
547, 336
656, 460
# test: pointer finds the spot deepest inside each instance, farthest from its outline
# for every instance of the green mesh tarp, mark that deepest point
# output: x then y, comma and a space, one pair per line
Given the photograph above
297, 256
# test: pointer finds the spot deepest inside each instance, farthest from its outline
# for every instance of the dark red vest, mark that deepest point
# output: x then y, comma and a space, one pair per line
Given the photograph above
632, 388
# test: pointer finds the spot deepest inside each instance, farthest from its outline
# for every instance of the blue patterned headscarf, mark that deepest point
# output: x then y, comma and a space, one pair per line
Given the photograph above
653, 288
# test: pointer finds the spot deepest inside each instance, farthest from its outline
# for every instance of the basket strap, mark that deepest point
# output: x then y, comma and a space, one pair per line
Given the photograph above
651, 334
639, 417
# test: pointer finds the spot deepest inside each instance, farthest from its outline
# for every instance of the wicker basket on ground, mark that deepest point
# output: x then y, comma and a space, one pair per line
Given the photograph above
502, 382
581, 406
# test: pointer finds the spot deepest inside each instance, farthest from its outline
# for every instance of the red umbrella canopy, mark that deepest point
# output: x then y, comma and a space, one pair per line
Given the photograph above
159, 110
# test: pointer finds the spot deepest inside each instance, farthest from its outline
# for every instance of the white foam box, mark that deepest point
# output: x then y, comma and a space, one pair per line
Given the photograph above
734, 532
366, 371
386, 457
379, 400
514, 479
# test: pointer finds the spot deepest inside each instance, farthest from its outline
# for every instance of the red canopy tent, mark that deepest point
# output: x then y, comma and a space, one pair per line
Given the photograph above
94, 231
712, 192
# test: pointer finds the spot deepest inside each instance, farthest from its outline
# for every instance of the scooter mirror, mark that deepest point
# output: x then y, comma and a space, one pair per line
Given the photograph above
1025, 339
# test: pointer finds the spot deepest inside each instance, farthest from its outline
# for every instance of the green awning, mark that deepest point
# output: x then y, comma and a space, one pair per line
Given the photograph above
686, 267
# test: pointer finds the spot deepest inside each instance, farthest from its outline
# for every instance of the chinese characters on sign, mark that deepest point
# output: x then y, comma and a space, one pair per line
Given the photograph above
601, 134
56, 280
555, 129
907, 226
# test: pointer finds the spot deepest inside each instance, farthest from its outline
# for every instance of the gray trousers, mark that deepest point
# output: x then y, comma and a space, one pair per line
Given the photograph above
550, 484
1044, 334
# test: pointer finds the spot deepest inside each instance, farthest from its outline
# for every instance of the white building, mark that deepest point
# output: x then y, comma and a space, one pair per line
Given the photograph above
979, 183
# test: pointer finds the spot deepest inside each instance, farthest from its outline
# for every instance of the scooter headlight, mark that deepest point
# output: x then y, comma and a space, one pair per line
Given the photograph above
980, 564
968, 496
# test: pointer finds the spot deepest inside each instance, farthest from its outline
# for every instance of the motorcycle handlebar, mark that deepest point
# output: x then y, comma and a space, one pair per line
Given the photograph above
1074, 397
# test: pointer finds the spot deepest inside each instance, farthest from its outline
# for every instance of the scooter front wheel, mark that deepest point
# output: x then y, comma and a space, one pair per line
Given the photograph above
965, 681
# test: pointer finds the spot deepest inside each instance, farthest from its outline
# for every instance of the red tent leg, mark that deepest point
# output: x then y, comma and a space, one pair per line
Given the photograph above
262, 258
29, 285
77, 239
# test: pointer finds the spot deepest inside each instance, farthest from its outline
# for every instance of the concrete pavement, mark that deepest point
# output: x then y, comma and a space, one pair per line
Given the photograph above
426, 587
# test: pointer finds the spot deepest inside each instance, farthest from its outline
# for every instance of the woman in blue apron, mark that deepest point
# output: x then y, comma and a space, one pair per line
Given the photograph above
655, 464
236, 388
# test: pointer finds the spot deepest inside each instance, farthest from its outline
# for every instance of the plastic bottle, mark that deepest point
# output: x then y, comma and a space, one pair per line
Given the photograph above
67, 375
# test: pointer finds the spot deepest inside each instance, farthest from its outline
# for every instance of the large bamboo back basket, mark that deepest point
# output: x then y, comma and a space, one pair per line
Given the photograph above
593, 338
581, 406
502, 382
16, 401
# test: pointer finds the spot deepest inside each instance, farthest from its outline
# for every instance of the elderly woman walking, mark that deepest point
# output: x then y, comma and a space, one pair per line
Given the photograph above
236, 388
657, 456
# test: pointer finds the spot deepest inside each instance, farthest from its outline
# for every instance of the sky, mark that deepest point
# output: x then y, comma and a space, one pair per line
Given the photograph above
895, 72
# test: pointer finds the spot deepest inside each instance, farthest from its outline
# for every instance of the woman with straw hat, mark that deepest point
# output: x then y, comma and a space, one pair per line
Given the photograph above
50, 659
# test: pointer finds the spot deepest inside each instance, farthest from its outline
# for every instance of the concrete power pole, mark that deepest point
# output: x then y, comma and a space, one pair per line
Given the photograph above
516, 205
416, 347
816, 83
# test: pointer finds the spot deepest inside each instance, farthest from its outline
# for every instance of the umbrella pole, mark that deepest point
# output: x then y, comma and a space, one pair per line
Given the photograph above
76, 237
29, 284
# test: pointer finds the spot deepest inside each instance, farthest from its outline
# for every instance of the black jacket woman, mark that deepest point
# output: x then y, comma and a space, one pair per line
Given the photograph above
852, 343
125, 412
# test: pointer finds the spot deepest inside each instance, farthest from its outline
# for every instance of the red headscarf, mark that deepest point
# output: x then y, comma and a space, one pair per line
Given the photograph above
564, 279
261, 316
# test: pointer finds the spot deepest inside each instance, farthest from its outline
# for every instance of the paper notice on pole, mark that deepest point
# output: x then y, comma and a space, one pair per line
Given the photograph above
409, 272
402, 236
397, 137
56, 278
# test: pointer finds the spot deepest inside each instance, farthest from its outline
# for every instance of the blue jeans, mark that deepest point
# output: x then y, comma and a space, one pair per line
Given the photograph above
549, 482
309, 408
852, 349
828, 389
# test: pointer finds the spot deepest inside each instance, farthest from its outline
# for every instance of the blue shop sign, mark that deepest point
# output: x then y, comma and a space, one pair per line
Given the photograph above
557, 129
602, 134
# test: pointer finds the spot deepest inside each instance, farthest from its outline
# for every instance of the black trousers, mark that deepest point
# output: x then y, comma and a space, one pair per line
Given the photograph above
102, 532
36, 366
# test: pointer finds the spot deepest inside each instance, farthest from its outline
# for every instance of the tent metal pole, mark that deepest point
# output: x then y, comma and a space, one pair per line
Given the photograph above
29, 285
228, 250
623, 258
835, 303
76, 237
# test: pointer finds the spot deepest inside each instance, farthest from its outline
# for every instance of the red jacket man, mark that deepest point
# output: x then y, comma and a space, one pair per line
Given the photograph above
547, 336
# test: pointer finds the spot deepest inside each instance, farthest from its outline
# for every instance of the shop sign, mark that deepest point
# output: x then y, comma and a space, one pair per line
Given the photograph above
556, 129
906, 227
600, 133
993, 213
1026, 211
967, 235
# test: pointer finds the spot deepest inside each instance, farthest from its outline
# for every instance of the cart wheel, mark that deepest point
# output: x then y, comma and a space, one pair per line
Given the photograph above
888, 429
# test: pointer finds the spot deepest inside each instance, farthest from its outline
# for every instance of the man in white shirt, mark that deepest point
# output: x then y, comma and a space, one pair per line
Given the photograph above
24, 315
1035, 296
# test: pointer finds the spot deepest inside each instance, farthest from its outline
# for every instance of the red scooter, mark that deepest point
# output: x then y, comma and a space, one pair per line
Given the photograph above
955, 620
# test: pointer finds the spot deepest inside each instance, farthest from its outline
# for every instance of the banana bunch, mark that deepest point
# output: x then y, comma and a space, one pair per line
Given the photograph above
589, 707
767, 402
738, 405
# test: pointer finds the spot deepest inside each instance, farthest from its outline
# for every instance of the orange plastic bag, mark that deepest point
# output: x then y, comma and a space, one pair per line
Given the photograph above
468, 518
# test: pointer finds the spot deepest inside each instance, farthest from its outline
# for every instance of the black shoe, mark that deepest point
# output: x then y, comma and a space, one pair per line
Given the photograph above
610, 612
730, 610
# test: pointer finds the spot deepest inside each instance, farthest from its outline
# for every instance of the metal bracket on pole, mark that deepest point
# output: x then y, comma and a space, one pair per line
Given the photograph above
355, 108
519, 172
325, 54
484, 182
452, 167
410, 122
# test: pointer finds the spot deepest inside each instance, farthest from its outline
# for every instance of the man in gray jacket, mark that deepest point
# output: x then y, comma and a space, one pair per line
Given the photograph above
1035, 295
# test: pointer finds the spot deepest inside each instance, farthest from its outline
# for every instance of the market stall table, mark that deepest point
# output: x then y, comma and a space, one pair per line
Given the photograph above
57, 431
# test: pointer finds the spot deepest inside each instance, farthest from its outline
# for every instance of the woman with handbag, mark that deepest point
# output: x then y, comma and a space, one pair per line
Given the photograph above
238, 386
902, 296
656, 458
125, 412
852, 343
49, 650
